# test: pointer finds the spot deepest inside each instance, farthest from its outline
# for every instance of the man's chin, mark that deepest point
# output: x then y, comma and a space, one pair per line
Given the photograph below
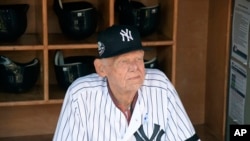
134, 87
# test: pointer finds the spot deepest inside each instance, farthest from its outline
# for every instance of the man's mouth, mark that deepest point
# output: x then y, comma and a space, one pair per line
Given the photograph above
134, 77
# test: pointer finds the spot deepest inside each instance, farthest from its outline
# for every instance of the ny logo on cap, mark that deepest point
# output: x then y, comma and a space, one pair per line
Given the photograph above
126, 34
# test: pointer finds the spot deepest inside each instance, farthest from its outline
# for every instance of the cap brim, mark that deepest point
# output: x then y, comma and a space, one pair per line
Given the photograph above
125, 51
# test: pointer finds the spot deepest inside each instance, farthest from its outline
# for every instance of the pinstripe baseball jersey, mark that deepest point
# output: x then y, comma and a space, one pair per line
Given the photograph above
89, 114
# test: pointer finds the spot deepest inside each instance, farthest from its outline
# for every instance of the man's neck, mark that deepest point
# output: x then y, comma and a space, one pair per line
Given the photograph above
123, 102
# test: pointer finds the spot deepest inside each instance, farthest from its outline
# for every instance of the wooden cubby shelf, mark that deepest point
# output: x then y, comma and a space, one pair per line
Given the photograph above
43, 37
193, 70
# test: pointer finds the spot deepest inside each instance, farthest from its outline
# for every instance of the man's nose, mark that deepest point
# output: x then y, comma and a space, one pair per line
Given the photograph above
133, 65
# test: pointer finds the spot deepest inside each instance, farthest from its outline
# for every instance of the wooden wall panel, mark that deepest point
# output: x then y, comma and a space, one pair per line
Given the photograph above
191, 56
217, 65
28, 120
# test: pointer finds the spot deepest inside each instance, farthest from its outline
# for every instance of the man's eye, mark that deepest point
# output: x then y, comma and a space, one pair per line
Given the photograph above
139, 59
124, 61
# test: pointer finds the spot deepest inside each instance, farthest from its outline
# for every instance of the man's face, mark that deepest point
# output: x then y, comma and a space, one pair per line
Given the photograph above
126, 72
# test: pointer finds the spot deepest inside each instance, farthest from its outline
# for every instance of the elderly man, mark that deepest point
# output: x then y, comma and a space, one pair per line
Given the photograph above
123, 101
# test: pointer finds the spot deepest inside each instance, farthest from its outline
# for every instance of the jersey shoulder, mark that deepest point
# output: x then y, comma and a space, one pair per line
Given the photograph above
155, 75
88, 81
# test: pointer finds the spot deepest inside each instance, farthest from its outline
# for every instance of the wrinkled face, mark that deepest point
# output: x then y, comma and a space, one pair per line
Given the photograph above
126, 72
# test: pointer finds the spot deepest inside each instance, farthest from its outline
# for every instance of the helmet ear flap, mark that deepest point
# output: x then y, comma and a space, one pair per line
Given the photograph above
59, 59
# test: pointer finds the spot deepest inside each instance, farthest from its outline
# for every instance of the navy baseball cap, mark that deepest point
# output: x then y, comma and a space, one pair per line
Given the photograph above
118, 39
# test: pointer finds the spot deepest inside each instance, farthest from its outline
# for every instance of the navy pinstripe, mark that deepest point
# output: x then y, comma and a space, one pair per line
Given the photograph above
89, 114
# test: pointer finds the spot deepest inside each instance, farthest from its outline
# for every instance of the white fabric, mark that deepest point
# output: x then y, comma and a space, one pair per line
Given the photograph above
89, 114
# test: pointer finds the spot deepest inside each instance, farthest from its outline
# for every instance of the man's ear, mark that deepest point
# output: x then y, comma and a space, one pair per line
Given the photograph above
99, 67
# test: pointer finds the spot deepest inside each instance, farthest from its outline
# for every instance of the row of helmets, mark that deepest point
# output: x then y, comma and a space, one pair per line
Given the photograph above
17, 77
79, 20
